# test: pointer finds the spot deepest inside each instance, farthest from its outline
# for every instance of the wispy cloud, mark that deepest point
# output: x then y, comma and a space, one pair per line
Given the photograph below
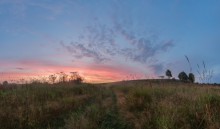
145, 49
103, 43
19, 68
96, 42
54, 9
118, 42
81, 51
157, 68
20, 8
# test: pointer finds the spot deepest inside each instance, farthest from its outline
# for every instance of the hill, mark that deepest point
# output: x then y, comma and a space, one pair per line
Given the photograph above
137, 104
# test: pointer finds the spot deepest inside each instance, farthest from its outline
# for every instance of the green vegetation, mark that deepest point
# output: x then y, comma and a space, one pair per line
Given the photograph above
146, 104
191, 77
5, 83
183, 76
168, 73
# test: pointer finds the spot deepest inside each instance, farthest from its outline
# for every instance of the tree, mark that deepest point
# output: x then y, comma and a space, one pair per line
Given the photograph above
168, 73
5, 83
63, 77
191, 77
76, 78
52, 78
183, 76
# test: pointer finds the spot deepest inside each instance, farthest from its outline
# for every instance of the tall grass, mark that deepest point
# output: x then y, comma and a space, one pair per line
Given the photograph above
171, 107
124, 105
35, 106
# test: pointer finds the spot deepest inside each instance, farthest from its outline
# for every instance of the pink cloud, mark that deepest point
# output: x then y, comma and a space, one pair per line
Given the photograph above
91, 72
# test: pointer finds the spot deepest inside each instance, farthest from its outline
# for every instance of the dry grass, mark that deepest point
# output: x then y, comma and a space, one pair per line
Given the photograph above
181, 106
124, 105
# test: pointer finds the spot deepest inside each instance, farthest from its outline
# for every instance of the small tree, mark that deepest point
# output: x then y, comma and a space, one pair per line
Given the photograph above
52, 78
191, 77
76, 78
168, 73
183, 76
63, 77
5, 83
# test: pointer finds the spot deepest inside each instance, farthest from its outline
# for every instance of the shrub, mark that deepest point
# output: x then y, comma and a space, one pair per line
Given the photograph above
191, 77
76, 78
183, 76
168, 73
5, 83
52, 78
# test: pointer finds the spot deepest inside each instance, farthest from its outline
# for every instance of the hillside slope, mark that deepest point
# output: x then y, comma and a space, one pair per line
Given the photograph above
139, 104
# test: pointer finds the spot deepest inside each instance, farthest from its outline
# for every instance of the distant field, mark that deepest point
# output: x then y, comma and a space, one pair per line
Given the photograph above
142, 104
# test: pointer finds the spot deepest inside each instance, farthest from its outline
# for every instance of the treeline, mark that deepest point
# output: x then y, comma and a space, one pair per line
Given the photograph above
62, 77
182, 76
204, 74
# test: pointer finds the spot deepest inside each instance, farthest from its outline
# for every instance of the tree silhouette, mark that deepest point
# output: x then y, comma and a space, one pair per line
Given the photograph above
168, 73
52, 78
5, 83
76, 78
183, 76
191, 77
63, 77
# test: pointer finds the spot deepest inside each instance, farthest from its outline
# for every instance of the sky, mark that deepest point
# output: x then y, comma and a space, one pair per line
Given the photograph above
109, 40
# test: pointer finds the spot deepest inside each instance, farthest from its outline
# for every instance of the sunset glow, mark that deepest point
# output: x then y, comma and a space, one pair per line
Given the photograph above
96, 73
106, 41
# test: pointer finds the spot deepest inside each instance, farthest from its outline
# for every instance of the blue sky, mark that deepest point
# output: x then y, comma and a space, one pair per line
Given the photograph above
107, 40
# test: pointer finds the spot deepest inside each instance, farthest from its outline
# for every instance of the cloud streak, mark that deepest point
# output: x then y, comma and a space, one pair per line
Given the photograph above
81, 51
102, 43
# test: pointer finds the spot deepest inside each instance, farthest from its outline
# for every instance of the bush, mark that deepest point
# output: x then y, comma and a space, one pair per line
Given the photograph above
5, 83
191, 77
183, 76
76, 78
168, 73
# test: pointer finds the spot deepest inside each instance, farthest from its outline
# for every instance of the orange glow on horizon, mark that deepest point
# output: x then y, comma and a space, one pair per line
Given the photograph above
93, 73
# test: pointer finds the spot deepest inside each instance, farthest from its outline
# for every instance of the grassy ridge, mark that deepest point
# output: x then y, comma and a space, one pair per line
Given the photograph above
124, 105
170, 107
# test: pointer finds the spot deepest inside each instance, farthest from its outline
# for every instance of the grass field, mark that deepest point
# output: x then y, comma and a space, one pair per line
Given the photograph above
139, 104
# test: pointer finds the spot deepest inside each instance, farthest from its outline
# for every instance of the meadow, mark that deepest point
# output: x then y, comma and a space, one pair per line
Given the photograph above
141, 104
